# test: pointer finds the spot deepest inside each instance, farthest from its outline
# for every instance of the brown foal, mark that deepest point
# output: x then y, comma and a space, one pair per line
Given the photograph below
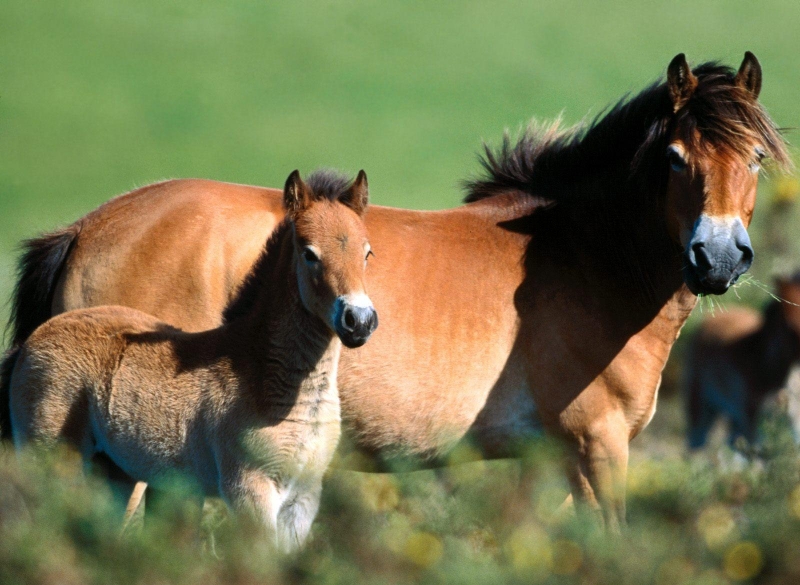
249, 411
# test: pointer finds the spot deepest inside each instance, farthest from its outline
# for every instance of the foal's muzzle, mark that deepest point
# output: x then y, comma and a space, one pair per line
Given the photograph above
354, 319
718, 253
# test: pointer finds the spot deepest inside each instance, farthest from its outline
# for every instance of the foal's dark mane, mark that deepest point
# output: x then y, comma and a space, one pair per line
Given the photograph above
323, 184
328, 184
627, 143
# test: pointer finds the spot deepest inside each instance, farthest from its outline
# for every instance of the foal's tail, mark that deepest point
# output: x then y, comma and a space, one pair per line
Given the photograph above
5, 395
38, 271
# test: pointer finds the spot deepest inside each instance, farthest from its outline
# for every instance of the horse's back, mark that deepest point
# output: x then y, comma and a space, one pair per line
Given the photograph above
177, 249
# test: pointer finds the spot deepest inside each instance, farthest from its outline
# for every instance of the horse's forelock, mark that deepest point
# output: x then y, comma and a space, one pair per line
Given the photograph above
729, 118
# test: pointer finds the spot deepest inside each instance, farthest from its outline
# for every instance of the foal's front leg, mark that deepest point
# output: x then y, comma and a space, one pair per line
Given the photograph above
256, 494
297, 515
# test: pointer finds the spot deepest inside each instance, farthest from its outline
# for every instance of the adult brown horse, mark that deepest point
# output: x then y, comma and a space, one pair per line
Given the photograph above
551, 301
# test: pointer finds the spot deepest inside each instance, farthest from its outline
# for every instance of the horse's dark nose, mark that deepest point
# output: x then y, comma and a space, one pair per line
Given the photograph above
355, 322
718, 253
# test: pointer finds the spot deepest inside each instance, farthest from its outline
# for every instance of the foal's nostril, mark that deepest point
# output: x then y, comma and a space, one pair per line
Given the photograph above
349, 320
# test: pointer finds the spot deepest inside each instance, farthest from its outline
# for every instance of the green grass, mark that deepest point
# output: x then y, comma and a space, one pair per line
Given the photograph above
98, 97
701, 521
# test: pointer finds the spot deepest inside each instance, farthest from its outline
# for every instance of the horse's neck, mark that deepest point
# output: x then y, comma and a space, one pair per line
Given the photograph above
645, 301
664, 329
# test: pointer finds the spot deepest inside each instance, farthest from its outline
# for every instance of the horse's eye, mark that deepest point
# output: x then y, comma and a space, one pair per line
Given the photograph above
310, 256
760, 153
369, 253
676, 160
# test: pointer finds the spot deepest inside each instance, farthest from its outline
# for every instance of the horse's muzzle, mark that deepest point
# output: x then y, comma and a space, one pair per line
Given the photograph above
355, 322
719, 252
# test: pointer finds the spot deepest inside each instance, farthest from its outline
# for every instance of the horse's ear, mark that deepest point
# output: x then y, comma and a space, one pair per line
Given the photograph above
749, 75
680, 81
357, 196
295, 194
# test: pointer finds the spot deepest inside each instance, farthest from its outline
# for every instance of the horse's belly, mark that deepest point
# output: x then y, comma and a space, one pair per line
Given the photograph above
426, 413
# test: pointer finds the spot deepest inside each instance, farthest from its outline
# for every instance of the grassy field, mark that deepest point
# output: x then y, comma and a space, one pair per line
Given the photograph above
98, 97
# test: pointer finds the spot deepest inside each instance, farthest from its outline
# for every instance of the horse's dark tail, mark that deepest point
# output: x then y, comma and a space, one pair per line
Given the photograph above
38, 271
5, 386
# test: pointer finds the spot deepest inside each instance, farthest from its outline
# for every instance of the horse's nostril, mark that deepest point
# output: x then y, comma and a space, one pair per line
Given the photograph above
349, 320
747, 252
701, 256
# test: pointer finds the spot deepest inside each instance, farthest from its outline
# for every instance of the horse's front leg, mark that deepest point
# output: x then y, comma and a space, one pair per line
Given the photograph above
599, 468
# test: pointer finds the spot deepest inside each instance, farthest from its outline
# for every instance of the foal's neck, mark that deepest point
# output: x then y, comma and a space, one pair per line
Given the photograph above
292, 350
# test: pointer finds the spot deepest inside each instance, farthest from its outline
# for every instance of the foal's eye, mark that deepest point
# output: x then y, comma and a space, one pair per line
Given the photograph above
369, 253
676, 160
310, 256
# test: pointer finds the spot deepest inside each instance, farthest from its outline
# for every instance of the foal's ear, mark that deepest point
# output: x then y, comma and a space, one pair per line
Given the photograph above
749, 76
357, 196
295, 194
680, 81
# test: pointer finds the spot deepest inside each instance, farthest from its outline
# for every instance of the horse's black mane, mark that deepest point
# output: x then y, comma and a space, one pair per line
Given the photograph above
630, 137
324, 184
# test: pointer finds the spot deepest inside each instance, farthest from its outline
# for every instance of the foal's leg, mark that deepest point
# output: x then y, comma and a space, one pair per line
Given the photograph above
133, 504
255, 494
122, 485
296, 517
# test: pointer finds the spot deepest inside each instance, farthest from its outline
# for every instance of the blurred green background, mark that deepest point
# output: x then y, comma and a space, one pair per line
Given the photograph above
99, 97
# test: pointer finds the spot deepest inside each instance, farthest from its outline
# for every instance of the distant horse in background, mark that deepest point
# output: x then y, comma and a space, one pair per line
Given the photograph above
549, 303
249, 411
737, 359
